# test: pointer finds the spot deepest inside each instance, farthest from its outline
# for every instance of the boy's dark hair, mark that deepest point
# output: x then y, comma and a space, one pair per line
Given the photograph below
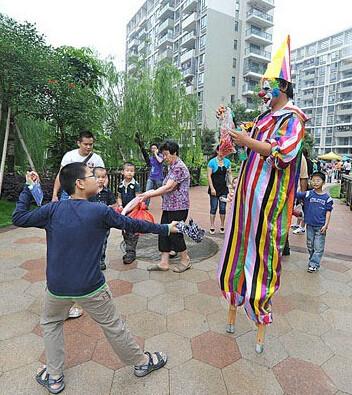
126, 164
100, 168
69, 174
287, 86
154, 144
85, 134
319, 174
170, 146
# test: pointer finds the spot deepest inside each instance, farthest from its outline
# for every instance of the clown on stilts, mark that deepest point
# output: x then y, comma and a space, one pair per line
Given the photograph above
262, 204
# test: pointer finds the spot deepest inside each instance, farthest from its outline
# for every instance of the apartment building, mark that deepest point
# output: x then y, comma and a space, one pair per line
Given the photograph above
222, 47
322, 77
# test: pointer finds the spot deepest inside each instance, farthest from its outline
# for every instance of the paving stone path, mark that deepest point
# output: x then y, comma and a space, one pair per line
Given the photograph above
308, 347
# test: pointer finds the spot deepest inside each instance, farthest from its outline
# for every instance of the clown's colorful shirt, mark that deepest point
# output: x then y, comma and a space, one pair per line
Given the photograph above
249, 270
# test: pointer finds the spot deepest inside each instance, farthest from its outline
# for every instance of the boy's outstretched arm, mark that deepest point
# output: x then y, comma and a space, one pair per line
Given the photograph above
118, 221
22, 216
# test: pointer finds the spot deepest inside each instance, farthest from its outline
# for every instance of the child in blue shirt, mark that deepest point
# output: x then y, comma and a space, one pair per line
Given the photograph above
75, 232
317, 212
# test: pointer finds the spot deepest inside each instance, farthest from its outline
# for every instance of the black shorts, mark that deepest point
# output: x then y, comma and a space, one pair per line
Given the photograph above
173, 242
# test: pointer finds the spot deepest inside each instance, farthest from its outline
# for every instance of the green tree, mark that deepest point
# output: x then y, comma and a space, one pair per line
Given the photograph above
155, 106
208, 141
24, 65
71, 100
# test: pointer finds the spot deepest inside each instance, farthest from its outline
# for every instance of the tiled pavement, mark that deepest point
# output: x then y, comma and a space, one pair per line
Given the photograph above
308, 347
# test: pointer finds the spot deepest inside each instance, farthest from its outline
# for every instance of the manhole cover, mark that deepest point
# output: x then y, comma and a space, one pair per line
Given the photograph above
147, 248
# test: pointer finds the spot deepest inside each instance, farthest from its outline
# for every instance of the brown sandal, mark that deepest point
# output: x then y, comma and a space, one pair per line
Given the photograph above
180, 267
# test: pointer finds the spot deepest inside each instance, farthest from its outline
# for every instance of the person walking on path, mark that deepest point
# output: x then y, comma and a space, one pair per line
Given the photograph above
76, 230
175, 206
220, 181
317, 212
250, 265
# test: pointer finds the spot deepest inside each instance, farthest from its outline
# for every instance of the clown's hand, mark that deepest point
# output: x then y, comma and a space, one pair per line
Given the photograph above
239, 137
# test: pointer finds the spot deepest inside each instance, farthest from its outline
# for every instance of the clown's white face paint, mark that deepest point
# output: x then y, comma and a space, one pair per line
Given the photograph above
270, 90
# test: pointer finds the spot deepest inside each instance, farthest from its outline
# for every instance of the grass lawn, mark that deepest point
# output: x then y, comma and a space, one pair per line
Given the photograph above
335, 191
6, 209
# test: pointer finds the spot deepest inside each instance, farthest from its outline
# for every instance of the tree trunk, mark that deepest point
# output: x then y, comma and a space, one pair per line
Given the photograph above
25, 149
11, 146
4, 150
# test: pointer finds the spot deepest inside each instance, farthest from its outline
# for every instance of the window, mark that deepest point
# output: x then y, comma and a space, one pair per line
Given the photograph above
233, 81
203, 22
331, 110
235, 44
330, 120
202, 3
234, 62
201, 59
236, 26
202, 41
232, 99
331, 98
200, 79
323, 59
200, 96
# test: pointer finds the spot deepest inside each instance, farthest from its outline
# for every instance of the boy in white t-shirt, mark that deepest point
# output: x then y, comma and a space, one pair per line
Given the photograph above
83, 154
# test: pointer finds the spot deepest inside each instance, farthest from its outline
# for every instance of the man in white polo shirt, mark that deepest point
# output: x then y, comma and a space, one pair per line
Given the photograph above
84, 153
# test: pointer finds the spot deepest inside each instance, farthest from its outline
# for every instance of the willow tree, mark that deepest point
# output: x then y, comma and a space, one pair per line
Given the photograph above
155, 106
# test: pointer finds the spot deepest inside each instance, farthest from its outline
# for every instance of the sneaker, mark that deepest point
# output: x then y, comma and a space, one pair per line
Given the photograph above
294, 226
222, 230
311, 269
212, 231
102, 266
127, 260
299, 231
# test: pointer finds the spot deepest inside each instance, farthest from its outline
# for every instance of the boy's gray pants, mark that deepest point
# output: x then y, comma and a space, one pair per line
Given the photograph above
102, 310
131, 241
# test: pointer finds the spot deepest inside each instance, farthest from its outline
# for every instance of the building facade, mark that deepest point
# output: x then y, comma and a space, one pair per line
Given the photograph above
222, 47
322, 77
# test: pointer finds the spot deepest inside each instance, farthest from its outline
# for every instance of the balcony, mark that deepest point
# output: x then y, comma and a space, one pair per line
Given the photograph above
189, 72
257, 54
345, 88
308, 96
249, 88
346, 65
142, 47
347, 133
165, 55
190, 6
262, 4
258, 37
133, 44
260, 18
143, 34
187, 56
189, 89
344, 111
190, 23
166, 25
189, 40
253, 70
346, 53
167, 11
165, 40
